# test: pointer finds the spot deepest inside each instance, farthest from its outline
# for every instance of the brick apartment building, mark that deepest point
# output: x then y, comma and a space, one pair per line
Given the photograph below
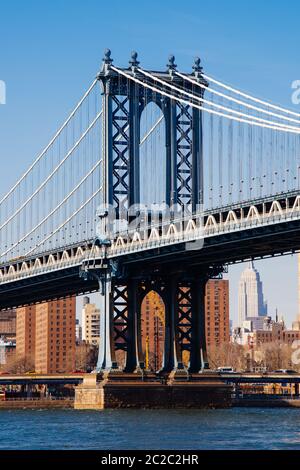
55, 336
25, 334
46, 335
217, 313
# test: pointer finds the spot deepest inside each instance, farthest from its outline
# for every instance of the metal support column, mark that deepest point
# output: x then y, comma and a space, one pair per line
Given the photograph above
197, 141
198, 358
134, 139
197, 161
106, 358
173, 154
132, 356
171, 360
107, 129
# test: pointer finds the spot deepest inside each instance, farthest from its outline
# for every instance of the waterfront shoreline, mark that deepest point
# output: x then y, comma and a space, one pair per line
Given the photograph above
69, 405
36, 404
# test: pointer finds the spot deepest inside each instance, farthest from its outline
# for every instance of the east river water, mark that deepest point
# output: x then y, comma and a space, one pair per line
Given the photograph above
252, 428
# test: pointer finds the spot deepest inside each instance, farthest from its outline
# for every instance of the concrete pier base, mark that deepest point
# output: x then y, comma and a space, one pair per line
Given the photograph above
148, 391
89, 395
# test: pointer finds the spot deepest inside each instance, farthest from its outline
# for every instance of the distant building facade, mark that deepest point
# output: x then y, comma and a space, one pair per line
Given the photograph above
25, 333
55, 336
90, 323
296, 324
251, 302
271, 332
7, 352
217, 313
45, 336
78, 332
8, 322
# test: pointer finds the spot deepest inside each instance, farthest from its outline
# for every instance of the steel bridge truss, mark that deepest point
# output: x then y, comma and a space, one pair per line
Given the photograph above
127, 266
183, 299
124, 103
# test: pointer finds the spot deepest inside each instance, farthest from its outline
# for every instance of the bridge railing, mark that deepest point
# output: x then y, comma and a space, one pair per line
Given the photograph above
202, 225
186, 230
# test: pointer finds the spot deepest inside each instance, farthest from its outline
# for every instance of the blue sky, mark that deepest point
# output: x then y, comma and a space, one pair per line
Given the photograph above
50, 51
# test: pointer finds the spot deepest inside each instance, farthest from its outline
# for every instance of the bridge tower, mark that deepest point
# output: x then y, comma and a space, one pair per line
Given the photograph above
181, 287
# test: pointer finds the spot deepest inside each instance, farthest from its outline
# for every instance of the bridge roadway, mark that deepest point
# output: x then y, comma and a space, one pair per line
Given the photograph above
37, 379
76, 379
263, 228
271, 378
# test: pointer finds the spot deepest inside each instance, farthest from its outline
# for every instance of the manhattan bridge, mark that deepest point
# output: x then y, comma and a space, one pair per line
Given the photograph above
156, 181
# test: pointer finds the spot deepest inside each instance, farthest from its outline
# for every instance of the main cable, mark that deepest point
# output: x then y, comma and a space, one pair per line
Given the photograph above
249, 97
50, 143
210, 103
234, 100
201, 108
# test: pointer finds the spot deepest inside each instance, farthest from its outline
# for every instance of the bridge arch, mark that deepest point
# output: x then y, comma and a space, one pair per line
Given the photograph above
153, 155
153, 330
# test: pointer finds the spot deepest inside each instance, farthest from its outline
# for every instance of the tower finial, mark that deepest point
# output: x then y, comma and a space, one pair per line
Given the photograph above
197, 65
107, 57
251, 264
134, 62
171, 65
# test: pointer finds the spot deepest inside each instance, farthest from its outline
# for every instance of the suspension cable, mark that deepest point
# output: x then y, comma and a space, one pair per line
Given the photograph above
65, 222
210, 103
201, 108
50, 143
43, 184
249, 97
54, 210
235, 100
151, 130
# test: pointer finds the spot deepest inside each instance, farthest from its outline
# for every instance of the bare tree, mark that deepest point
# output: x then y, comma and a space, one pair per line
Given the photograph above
227, 354
20, 365
86, 356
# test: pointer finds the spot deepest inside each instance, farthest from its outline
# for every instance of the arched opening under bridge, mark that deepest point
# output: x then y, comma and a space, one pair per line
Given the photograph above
153, 330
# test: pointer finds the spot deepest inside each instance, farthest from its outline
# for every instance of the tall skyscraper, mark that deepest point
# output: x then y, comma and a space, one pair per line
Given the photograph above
90, 323
217, 313
250, 296
55, 336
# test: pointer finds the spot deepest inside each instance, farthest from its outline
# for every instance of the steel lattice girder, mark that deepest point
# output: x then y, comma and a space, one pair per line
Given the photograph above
184, 319
184, 126
120, 144
120, 317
